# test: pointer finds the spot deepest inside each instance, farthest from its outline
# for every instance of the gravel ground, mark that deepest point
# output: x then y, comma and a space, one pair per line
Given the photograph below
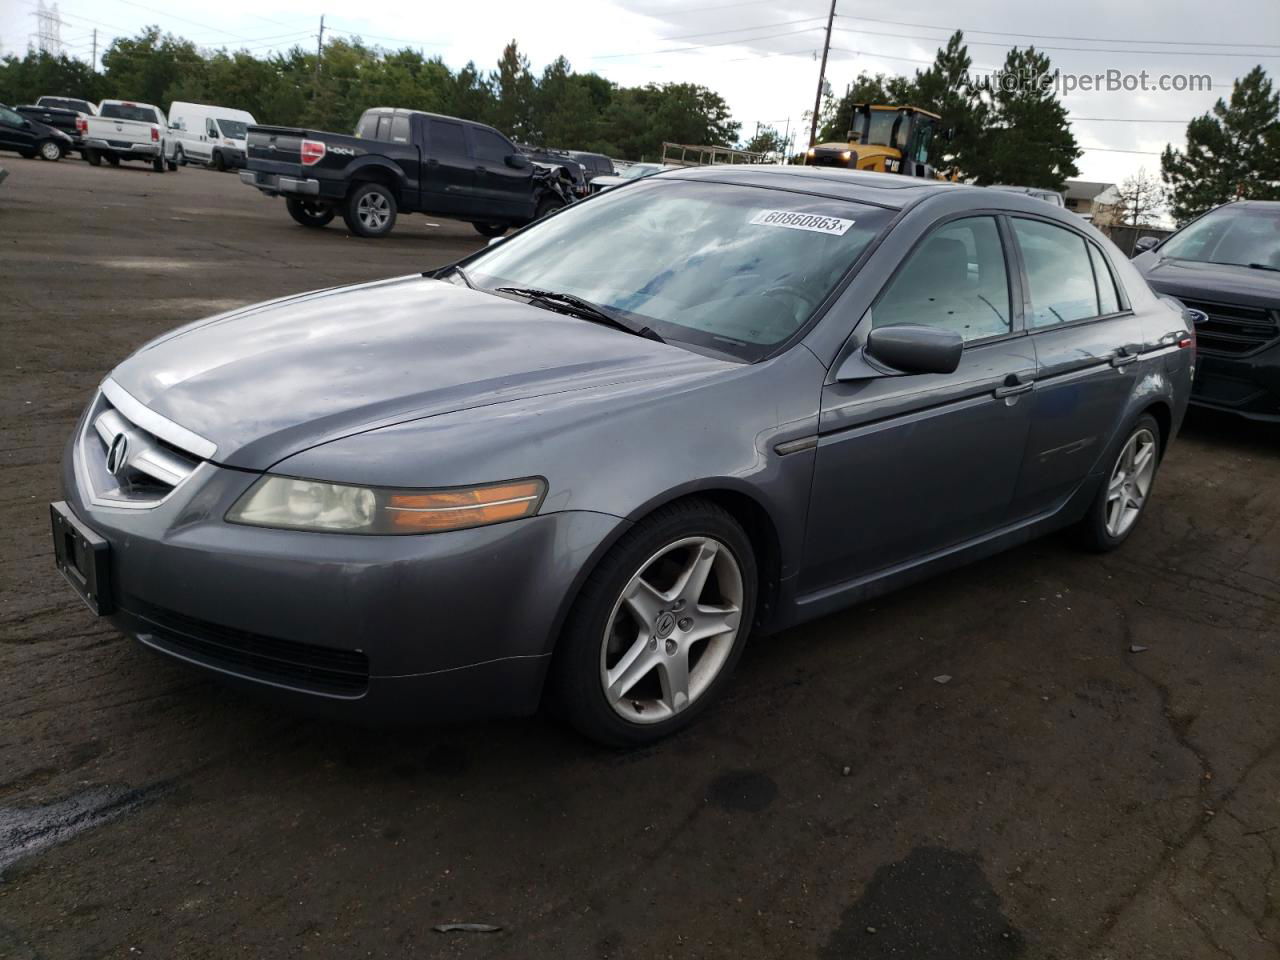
1061, 796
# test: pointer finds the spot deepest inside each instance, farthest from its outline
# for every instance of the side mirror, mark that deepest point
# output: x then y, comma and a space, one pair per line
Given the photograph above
518, 161
913, 348
1144, 244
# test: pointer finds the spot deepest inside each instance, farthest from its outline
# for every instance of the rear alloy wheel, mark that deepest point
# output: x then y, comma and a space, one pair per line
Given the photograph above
50, 151
1115, 511
658, 627
491, 229
307, 213
370, 210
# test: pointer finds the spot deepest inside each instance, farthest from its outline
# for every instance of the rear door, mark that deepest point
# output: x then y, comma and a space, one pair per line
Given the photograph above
908, 466
1088, 345
503, 191
448, 177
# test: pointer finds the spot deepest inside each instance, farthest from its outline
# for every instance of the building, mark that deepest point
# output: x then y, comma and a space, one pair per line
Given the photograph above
1085, 197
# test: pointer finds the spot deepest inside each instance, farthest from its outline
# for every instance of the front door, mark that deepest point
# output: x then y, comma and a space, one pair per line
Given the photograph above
1087, 346
501, 189
908, 466
15, 131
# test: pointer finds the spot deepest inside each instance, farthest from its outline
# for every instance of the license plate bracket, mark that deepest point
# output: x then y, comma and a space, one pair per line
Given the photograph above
83, 558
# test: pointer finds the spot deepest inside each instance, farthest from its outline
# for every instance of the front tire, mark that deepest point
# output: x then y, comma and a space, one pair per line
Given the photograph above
1120, 502
658, 627
218, 163
308, 214
370, 210
491, 229
51, 151
547, 205
158, 164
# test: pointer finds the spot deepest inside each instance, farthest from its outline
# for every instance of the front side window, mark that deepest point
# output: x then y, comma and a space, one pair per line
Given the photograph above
487, 145
955, 279
1059, 274
736, 270
1231, 234
10, 118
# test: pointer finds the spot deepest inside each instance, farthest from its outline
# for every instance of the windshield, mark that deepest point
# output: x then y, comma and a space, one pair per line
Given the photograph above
1230, 234
128, 111
638, 170
736, 270
233, 129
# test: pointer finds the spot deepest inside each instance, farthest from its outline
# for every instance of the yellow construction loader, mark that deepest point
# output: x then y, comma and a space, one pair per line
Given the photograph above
885, 139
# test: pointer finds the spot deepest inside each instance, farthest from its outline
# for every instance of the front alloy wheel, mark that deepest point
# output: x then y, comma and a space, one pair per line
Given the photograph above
50, 151
658, 626
672, 630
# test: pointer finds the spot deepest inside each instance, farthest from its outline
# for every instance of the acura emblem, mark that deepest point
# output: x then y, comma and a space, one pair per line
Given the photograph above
118, 454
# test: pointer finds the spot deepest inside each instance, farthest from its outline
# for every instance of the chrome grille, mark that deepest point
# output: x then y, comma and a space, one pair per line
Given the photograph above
120, 463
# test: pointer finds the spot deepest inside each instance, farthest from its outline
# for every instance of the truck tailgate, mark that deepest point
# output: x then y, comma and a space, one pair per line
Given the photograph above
120, 133
277, 149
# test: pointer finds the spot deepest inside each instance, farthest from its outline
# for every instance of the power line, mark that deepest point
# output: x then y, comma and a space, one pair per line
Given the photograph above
739, 41
1051, 36
758, 26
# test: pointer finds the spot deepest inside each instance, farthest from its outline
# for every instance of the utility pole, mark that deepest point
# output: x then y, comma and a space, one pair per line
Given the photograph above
822, 76
319, 48
786, 143
94, 62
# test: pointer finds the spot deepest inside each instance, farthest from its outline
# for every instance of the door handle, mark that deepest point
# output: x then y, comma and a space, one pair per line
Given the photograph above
1123, 358
1014, 384
433, 162
482, 169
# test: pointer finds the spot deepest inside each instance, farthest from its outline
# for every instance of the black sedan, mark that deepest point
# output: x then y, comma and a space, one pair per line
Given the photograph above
1226, 264
31, 138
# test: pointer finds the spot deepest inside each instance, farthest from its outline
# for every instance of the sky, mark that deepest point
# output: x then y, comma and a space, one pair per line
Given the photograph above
761, 55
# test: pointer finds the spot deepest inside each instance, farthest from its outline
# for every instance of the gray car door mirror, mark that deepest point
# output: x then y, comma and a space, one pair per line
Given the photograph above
906, 348
1144, 244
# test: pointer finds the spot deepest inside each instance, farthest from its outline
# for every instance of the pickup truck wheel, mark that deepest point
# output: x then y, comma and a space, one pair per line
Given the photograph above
370, 210
49, 150
308, 214
491, 229
94, 158
545, 206
158, 164
172, 165
113, 160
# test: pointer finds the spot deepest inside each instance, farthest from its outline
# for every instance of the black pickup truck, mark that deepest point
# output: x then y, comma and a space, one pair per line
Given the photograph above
401, 161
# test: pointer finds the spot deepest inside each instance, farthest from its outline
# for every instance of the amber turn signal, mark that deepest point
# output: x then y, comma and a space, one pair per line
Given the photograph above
431, 512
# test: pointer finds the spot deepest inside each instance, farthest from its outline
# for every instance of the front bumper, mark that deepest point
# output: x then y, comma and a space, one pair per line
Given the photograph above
148, 151
273, 184
372, 628
1247, 386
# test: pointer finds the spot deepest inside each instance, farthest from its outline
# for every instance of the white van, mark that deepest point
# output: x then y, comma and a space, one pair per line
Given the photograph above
210, 135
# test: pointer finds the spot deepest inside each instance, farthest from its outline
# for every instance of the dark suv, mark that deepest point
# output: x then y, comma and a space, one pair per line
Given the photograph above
1226, 264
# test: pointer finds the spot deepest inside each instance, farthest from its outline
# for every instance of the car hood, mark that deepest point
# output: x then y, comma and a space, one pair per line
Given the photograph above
268, 381
1227, 282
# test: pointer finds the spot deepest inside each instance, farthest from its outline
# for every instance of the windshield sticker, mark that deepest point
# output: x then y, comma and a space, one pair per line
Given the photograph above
802, 221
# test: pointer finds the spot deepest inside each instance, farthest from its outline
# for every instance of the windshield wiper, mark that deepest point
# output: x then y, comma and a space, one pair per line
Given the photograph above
1263, 266
578, 307
454, 269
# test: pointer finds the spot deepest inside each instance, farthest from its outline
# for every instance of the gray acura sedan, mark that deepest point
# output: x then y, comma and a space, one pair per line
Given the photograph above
588, 461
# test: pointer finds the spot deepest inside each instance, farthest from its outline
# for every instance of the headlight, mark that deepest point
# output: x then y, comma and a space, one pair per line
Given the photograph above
293, 504
812, 152
846, 154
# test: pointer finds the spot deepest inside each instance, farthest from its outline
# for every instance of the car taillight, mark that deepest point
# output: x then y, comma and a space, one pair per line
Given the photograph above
155, 134
82, 125
312, 152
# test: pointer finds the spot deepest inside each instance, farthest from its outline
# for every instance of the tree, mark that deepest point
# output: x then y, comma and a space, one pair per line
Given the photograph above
1141, 200
513, 86
947, 89
38, 73
1232, 152
1026, 139
836, 119
146, 66
766, 140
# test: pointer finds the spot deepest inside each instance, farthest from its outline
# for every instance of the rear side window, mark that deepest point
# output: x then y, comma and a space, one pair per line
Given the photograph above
1108, 299
367, 128
447, 138
956, 279
399, 129
487, 145
1059, 274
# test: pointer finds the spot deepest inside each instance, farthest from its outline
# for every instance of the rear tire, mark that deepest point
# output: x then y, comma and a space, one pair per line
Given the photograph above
647, 647
1132, 465
309, 214
370, 210
158, 164
93, 157
172, 165
51, 151
491, 229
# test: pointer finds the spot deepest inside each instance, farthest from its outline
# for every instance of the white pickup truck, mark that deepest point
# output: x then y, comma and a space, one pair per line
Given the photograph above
124, 130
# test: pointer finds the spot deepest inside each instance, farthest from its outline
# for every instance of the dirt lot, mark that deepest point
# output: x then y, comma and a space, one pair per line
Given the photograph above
1061, 796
